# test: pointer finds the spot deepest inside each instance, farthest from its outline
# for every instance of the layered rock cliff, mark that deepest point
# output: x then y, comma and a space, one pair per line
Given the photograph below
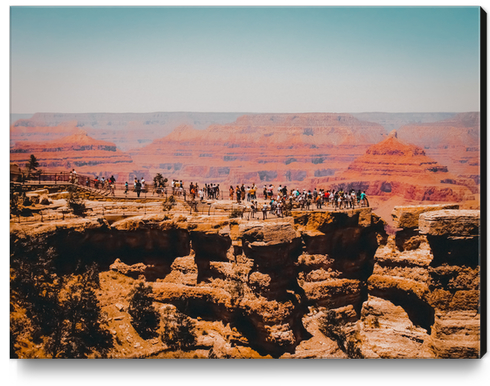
126, 130
80, 151
430, 271
317, 284
294, 148
394, 167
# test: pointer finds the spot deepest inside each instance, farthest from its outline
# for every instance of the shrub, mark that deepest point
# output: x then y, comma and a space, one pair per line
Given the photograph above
168, 203
144, 317
178, 331
333, 327
159, 180
14, 204
63, 314
75, 202
235, 213
235, 288
353, 347
81, 331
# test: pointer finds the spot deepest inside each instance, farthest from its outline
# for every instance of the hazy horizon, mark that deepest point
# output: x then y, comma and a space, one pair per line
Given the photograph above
255, 60
16, 116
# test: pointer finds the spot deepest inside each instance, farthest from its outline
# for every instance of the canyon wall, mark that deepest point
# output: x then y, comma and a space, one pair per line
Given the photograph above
314, 285
428, 162
289, 149
80, 152
126, 130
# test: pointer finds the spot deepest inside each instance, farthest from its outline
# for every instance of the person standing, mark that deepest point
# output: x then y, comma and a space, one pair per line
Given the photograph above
363, 198
138, 187
238, 194
264, 211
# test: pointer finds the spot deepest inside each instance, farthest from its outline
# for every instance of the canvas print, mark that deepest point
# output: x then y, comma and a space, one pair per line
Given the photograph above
245, 182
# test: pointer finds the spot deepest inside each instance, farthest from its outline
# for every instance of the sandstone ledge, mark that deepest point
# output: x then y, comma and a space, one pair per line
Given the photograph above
459, 223
408, 216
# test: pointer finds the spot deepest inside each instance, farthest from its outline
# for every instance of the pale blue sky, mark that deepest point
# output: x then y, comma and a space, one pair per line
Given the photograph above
244, 59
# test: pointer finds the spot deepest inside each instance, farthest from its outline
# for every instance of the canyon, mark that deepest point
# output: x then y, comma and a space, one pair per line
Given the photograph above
304, 151
317, 284
261, 148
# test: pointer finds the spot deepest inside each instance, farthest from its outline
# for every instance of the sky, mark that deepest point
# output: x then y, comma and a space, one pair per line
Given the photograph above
240, 59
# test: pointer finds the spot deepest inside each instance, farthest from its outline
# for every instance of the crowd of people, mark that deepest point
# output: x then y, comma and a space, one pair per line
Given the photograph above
276, 201
108, 184
337, 199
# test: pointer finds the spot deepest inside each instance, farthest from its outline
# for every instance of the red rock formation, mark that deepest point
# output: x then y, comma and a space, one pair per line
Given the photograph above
86, 154
431, 269
394, 167
284, 148
126, 130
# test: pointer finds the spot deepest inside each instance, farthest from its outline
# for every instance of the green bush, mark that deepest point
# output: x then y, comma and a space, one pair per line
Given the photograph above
144, 317
75, 202
63, 314
178, 331
168, 203
333, 327
81, 332
235, 213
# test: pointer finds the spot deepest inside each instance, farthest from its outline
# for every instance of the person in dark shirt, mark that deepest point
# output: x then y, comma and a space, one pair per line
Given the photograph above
138, 188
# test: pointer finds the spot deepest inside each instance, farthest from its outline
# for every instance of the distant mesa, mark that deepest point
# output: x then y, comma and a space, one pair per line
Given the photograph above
394, 167
78, 141
262, 148
80, 151
395, 158
126, 130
